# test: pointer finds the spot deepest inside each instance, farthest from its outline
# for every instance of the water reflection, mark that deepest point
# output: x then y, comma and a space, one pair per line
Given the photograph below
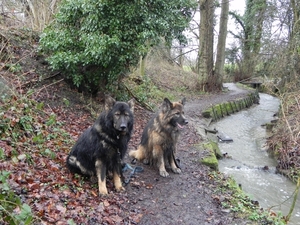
250, 164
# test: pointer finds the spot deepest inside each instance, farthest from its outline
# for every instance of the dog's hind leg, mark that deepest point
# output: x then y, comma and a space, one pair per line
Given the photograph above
138, 154
101, 175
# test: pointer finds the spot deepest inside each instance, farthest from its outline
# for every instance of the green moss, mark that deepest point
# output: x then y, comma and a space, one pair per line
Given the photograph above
269, 126
210, 159
207, 113
216, 149
219, 111
224, 109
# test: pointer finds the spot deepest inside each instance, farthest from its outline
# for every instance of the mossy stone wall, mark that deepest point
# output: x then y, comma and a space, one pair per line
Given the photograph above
219, 111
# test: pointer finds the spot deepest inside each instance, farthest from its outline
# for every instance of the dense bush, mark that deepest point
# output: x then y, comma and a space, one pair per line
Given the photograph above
96, 42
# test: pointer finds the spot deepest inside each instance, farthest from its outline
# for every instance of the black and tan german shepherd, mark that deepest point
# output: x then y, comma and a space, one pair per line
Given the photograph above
159, 138
101, 147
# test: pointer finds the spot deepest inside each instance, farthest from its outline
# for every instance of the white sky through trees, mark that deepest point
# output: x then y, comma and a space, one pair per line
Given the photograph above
234, 5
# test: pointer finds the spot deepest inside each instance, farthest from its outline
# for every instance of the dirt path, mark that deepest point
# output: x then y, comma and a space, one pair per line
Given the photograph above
187, 198
58, 196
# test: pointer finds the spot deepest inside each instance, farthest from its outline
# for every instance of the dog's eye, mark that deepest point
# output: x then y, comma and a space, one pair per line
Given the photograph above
177, 114
117, 114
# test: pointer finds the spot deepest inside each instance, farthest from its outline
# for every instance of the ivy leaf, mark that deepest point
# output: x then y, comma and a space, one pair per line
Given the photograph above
25, 214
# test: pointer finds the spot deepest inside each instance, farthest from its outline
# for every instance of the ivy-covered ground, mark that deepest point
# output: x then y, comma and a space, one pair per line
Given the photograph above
40, 119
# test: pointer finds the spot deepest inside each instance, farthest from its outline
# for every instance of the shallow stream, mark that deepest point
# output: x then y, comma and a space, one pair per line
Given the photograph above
248, 157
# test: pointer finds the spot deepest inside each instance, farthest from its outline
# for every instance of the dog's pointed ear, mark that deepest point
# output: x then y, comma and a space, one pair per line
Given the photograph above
109, 102
167, 105
183, 101
131, 104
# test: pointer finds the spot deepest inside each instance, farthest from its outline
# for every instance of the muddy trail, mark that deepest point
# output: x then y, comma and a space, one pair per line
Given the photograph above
41, 180
189, 197
56, 196
36, 161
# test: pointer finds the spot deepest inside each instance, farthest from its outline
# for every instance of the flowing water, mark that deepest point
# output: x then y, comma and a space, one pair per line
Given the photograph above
248, 157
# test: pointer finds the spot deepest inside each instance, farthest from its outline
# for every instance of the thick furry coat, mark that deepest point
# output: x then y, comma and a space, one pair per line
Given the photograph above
159, 138
102, 147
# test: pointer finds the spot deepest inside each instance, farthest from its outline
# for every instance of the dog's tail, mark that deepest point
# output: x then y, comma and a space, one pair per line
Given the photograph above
71, 164
138, 154
76, 167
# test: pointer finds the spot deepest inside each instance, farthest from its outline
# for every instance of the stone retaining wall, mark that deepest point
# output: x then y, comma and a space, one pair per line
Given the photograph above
219, 111
216, 112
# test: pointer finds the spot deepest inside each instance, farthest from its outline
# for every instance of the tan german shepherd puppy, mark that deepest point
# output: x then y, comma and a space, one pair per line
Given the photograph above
159, 138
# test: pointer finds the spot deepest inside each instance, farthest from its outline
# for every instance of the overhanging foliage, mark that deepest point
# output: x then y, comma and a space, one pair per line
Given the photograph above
95, 42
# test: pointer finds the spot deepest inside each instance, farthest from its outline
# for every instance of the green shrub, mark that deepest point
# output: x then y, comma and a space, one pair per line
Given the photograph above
95, 42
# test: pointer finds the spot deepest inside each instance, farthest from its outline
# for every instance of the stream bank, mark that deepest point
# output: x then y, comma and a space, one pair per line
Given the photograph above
197, 196
216, 112
245, 154
249, 162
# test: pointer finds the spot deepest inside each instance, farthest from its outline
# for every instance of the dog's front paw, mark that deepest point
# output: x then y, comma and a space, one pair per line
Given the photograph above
119, 189
103, 192
176, 170
163, 173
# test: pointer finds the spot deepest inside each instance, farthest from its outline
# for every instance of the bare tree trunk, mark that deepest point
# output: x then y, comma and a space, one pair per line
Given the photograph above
294, 42
254, 18
202, 53
180, 58
142, 65
210, 36
205, 53
40, 12
220, 58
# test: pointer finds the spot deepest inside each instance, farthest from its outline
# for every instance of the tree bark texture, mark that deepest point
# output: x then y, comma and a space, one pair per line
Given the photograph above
205, 53
220, 58
254, 18
295, 42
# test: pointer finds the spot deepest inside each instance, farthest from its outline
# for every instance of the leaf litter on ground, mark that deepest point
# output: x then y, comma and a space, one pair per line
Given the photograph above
35, 139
